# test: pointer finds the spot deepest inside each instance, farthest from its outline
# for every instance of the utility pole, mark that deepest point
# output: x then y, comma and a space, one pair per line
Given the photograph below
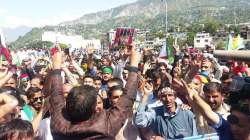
166, 18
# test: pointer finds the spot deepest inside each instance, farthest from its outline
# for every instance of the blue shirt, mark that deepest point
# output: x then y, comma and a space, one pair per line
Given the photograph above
223, 129
170, 126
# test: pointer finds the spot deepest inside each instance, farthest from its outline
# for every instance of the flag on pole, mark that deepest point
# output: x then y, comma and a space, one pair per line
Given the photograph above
167, 52
234, 42
163, 52
2, 39
170, 52
4, 52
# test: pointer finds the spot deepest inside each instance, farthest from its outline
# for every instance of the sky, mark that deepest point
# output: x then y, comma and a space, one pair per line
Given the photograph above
38, 13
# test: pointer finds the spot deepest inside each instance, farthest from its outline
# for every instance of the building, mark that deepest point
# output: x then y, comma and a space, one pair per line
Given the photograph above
201, 40
245, 32
74, 41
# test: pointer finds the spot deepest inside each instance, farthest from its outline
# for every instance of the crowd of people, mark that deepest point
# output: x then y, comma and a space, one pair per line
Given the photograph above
128, 94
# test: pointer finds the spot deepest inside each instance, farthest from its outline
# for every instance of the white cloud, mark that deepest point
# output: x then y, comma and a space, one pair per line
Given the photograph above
14, 21
3, 11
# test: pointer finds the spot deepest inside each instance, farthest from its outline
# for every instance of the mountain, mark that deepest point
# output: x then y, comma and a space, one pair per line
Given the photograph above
13, 33
148, 14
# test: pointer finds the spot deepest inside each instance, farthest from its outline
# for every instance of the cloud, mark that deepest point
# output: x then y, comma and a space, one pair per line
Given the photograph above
14, 21
3, 11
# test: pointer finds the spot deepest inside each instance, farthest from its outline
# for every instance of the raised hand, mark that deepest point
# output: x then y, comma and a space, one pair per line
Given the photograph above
134, 57
147, 89
8, 103
57, 59
188, 90
90, 48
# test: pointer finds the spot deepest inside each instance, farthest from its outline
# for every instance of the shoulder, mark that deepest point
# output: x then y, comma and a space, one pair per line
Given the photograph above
186, 113
221, 125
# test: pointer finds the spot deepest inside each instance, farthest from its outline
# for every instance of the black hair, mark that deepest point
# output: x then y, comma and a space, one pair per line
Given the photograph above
149, 73
18, 129
212, 87
118, 81
226, 76
97, 78
117, 88
88, 76
161, 64
38, 68
32, 90
80, 103
40, 77
14, 92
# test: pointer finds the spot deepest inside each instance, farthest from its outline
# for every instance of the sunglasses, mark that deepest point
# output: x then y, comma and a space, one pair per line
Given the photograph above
37, 99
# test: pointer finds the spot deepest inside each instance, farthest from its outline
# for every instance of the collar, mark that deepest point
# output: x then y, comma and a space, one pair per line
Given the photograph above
167, 114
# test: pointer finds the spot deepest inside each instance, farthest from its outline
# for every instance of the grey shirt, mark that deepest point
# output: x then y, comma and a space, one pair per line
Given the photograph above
170, 126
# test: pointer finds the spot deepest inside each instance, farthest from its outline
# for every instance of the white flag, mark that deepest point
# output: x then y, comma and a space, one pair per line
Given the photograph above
2, 39
163, 52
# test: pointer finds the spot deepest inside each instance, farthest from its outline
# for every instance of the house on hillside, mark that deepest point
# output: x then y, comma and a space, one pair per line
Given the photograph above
201, 40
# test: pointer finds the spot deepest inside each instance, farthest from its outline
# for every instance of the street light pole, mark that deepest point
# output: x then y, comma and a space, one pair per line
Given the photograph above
166, 18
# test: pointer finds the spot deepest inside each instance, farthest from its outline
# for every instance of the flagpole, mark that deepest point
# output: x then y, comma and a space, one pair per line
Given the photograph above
166, 18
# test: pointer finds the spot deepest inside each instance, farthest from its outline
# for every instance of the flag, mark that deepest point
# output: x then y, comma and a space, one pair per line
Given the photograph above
4, 51
2, 39
170, 53
167, 52
234, 42
123, 36
163, 52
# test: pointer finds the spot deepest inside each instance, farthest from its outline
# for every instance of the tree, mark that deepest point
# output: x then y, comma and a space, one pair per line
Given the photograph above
190, 38
220, 45
160, 34
234, 28
170, 40
211, 26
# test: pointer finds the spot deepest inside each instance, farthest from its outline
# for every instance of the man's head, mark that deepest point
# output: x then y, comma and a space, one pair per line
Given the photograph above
99, 104
116, 93
226, 80
115, 82
12, 82
239, 121
162, 67
186, 61
125, 74
105, 61
35, 97
213, 95
107, 73
98, 83
168, 96
88, 80
37, 81
81, 103
206, 65
15, 113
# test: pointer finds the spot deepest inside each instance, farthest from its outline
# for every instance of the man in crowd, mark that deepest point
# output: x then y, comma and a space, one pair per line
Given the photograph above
214, 97
82, 122
165, 119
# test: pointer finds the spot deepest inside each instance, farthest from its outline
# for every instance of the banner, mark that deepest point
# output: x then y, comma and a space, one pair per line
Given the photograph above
123, 36
234, 42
